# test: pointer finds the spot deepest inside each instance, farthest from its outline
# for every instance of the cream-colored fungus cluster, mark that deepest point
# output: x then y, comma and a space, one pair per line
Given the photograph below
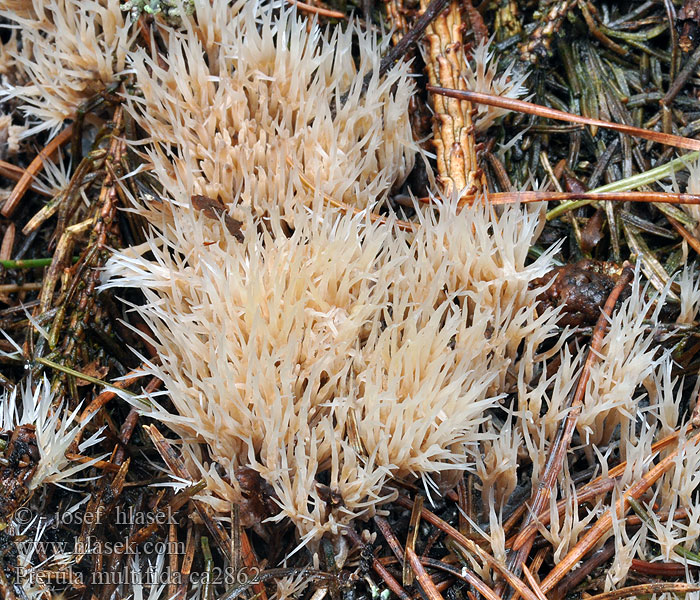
69, 51
346, 350
245, 113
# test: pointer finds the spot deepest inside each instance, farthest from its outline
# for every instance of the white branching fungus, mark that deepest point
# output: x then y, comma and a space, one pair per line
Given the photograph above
627, 359
626, 548
346, 348
482, 75
70, 51
55, 429
689, 283
238, 102
498, 467
291, 586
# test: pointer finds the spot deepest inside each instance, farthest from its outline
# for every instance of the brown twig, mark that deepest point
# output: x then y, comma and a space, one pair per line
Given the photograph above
32, 170
453, 126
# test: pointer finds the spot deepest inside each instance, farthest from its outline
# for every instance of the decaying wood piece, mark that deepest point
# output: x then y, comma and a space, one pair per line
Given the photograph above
453, 127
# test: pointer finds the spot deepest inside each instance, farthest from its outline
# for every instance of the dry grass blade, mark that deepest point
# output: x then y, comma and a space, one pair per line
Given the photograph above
8, 242
551, 113
422, 576
35, 167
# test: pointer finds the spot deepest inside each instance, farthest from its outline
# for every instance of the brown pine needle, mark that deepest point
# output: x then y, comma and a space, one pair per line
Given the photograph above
551, 113
422, 576
411, 539
525, 197
32, 170
464, 574
103, 398
693, 242
316, 10
251, 563
533, 583
659, 569
104, 465
15, 173
389, 536
648, 589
